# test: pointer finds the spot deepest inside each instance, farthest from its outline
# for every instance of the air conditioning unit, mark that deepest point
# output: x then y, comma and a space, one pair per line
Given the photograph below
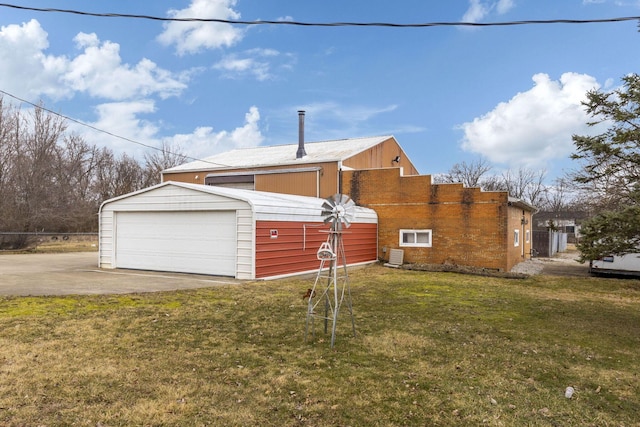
396, 257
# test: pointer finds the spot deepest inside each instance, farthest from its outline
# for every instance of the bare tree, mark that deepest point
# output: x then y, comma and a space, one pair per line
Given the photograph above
129, 175
614, 186
525, 184
167, 157
8, 133
76, 170
493, 183
559, 196
37, 186
469, 174
116, 176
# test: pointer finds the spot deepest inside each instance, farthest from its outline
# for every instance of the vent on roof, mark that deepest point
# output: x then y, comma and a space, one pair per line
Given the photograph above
301, 152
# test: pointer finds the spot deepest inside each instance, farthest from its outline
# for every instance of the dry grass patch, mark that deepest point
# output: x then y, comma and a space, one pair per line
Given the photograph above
60, 243
81, 243
431, 349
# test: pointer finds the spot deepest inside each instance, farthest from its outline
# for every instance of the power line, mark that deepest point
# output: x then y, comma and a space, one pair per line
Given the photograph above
328, 24
124, 138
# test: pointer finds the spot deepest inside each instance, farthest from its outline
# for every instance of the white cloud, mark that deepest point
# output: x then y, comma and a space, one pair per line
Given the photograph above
193, 37
352, 114
124, 120
22, 51
476, 12
99, 71
478, 9
333, 120
203, 141
257, 63
121, 119
609, 83
234, 66
534, 126
504, 6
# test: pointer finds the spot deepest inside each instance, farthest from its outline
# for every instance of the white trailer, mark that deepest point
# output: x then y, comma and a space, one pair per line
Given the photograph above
628, 265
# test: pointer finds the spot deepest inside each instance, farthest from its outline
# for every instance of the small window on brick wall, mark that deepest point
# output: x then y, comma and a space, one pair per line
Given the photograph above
527, 236
516, 237
415, 238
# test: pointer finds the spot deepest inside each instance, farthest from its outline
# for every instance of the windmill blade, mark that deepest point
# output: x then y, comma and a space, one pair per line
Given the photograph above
349, 216
338, 209
328, 204
343, 199
348, 209
328, 211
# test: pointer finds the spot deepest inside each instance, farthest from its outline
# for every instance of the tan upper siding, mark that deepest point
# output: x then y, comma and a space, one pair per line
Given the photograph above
316, 179
188, 177
321, 182
329, 181
382, 156
300, 183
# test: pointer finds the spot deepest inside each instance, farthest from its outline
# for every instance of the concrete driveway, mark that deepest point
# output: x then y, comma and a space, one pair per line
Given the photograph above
77, 273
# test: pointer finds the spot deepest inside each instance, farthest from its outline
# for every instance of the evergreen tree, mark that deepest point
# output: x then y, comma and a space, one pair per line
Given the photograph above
610, 171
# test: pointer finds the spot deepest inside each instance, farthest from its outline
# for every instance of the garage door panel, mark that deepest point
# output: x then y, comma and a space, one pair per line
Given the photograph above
195, 242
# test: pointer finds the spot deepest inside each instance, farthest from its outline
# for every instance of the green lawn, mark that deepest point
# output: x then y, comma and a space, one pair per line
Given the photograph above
431, 349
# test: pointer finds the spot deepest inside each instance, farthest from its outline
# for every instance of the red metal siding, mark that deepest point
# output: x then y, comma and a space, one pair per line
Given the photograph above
294, 250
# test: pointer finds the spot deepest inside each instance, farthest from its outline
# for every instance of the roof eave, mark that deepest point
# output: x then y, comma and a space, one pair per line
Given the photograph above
518, 203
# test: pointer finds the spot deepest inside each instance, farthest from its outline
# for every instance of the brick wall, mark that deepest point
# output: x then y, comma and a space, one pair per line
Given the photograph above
469, 227
519, 219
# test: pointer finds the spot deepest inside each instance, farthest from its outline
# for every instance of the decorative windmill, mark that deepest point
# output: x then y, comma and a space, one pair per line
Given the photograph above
332, 287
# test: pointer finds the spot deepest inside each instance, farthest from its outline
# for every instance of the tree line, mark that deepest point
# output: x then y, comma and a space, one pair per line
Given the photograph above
524, 183
52, 180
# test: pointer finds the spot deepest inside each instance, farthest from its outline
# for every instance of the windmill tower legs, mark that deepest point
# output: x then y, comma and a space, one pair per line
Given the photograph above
331, 287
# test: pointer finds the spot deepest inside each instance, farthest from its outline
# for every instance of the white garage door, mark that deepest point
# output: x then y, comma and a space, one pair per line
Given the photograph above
188, 242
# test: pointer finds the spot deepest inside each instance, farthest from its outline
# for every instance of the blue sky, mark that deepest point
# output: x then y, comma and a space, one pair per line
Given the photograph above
448, 94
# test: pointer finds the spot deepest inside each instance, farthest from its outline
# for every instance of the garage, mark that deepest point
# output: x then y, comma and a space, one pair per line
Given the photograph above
141, 245
203, 229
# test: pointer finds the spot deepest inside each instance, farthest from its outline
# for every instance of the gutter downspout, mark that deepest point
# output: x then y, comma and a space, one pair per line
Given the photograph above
523, 235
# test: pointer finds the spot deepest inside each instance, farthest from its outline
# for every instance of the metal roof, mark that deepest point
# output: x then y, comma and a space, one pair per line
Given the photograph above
266, 205
522, 204
279, 155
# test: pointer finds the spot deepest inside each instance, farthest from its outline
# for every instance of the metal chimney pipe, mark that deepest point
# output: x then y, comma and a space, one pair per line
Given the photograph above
301, 152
